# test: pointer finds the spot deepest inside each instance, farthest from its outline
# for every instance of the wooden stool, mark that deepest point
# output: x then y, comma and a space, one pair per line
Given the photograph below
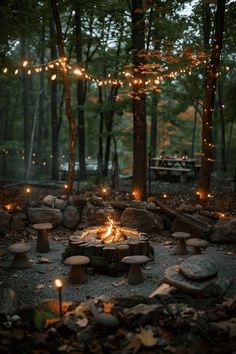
77, 273
180, 237
135, 275
42, 245
197, 244
20, 260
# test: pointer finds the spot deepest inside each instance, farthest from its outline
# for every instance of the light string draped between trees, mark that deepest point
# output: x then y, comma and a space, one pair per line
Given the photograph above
157, 68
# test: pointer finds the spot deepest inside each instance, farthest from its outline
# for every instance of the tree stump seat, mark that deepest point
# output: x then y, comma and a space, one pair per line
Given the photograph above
20, 260
197, 245
135, 275
77, 273
42, 245
180, 237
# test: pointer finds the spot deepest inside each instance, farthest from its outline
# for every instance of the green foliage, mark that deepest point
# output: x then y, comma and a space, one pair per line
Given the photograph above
106, 49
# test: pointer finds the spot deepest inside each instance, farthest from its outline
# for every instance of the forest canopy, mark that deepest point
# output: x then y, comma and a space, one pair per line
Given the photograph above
98, 40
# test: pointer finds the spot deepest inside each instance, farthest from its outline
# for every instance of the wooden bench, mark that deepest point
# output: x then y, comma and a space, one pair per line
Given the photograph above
182, 171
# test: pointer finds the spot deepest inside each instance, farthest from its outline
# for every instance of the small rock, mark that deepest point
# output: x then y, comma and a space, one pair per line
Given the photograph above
107, 320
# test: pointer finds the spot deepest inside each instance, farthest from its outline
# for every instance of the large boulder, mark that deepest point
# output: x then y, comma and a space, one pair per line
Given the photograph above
18, 223
71, 217
142, 219
77, 201
5, 220
88, 215
102, 215
224, 230
54, 202
44, 215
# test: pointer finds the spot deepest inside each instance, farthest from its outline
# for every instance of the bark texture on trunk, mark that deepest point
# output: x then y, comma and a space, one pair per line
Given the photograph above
69, 113
139, 104
208, 104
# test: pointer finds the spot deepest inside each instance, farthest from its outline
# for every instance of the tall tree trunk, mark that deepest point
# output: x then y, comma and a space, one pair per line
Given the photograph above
26, 105
70, 116
109, 128
194, 130
54, 115
208, 104
222, 127
81, 95
100, 138
153, 133
32, 135
41, 119
139, 104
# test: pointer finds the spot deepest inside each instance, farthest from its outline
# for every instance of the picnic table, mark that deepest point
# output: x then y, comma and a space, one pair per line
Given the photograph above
181, 165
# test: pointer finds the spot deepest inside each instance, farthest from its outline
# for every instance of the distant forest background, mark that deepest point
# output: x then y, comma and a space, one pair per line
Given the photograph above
34, 134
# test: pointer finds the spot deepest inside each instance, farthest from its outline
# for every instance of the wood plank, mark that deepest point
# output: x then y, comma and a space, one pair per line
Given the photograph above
177, 169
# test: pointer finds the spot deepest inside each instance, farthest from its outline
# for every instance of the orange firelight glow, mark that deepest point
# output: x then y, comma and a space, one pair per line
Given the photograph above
28, 190
58, 283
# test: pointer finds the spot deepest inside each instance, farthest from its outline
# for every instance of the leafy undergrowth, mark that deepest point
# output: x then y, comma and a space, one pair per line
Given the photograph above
168, 324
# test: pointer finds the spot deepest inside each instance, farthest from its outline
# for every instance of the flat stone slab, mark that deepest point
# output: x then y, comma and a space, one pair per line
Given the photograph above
77, 260
209, 288
135, 259
199, 267
196, 242
19, 248
181, 235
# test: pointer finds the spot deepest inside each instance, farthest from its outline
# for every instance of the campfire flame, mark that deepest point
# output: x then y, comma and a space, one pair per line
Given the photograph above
113, 233
9, 207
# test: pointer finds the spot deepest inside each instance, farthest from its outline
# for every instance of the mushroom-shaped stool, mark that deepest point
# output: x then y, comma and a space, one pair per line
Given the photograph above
135, 275
197, 244
77, 273
180, 237
20, 260
42, 245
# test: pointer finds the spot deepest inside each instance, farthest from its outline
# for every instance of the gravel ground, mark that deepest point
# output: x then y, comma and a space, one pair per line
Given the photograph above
36, 283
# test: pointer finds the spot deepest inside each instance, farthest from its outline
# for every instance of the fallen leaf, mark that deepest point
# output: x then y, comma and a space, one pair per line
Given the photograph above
51, 268
2, 252
228, 326
44, 260
40, 286
134, 345
82, 322
107, 307
119, 282
147, 338
230, 253
168, 243
50, 321
66, 348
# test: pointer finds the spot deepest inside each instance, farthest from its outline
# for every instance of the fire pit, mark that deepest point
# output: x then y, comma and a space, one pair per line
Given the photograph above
111, 241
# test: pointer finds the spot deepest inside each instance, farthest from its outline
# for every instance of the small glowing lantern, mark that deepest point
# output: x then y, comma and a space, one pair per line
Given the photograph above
59, 286
104, 192
164, 198
198, 197
28, 191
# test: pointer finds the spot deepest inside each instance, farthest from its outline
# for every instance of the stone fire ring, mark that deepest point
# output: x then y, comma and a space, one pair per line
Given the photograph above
88, 243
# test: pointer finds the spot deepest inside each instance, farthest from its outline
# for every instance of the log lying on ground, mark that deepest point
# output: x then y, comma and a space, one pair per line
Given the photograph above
188, 219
